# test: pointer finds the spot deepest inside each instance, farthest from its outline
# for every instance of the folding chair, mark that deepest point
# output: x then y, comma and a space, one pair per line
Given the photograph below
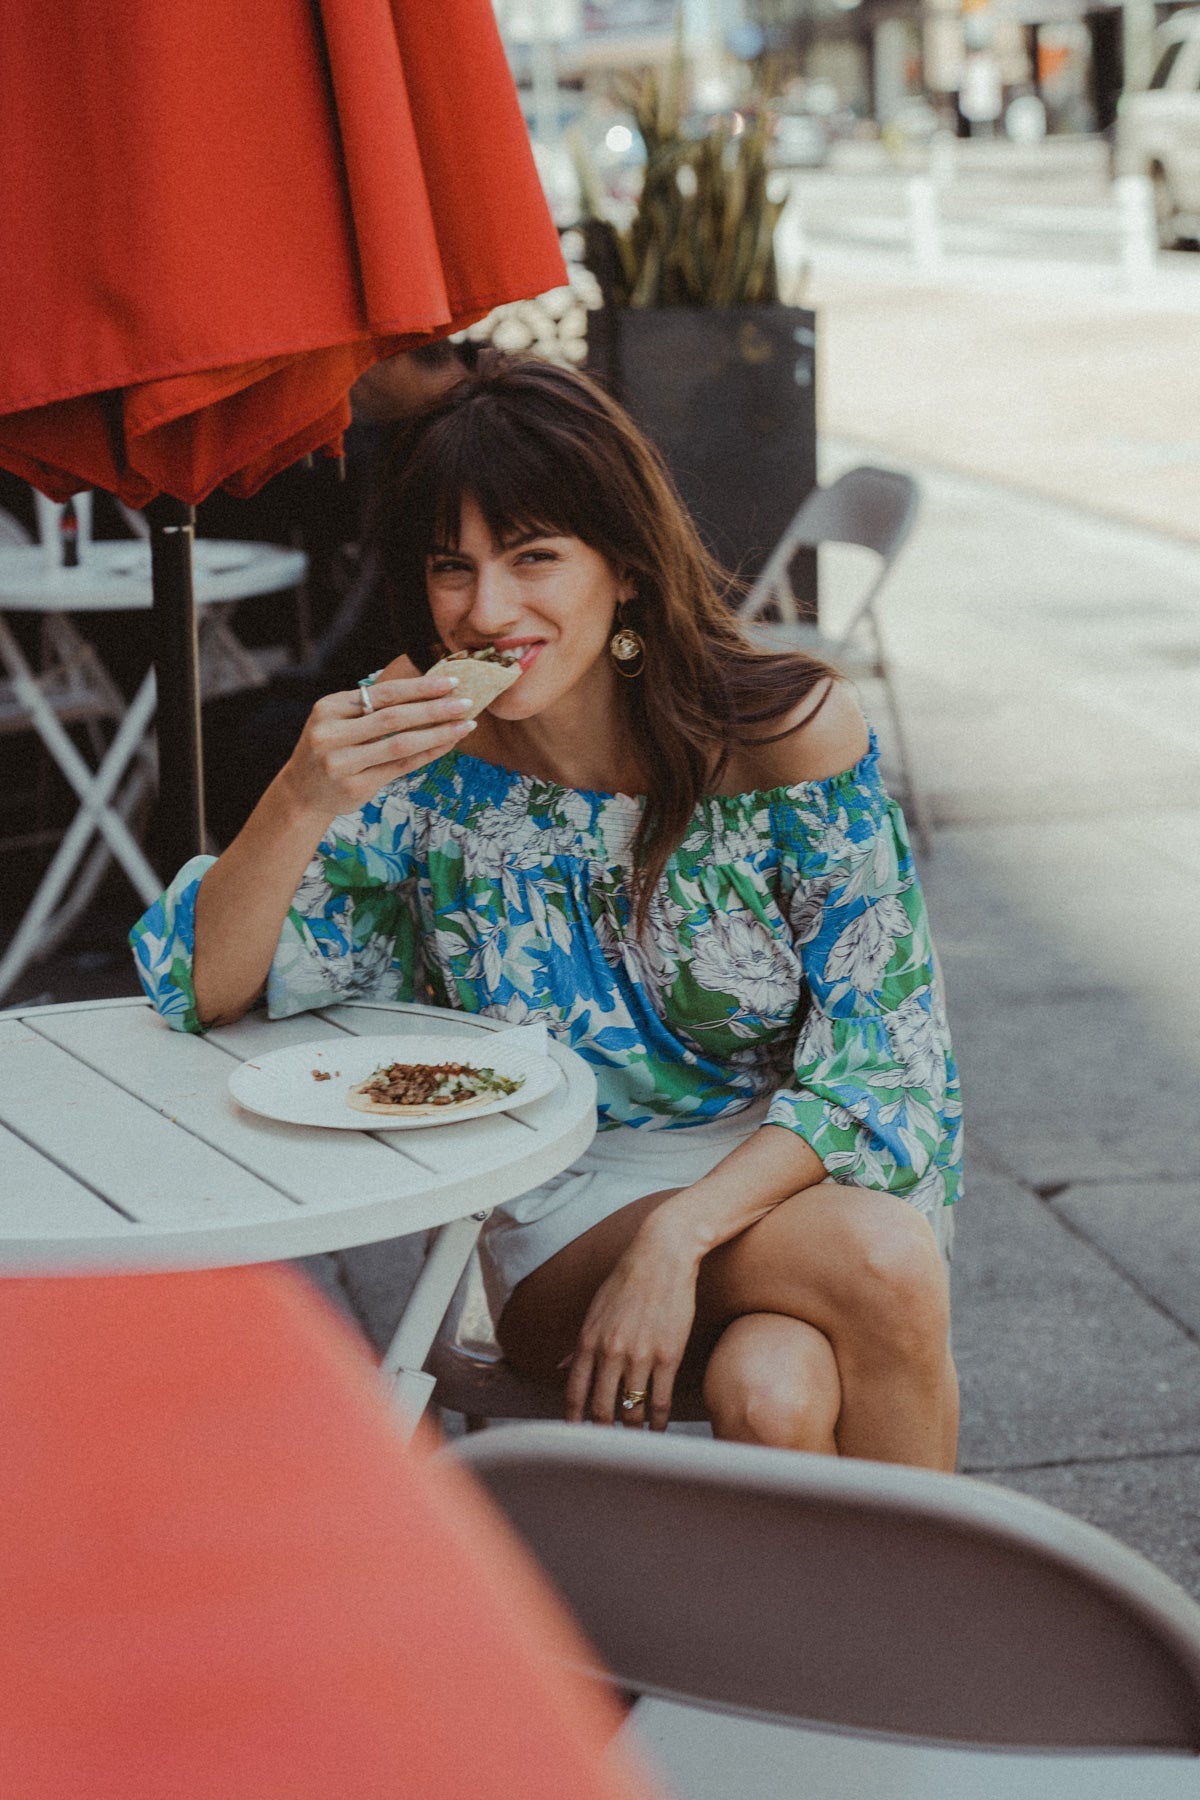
70, 686
863, 1599
874, 508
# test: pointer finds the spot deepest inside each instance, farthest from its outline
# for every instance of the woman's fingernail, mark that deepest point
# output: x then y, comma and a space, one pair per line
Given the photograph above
448, 681
467, 725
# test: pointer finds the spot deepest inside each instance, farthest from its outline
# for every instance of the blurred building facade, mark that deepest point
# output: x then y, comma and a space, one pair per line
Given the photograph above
906, 66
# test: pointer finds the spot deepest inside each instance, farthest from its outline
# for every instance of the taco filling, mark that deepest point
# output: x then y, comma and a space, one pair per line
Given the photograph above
489, 654
423, 1087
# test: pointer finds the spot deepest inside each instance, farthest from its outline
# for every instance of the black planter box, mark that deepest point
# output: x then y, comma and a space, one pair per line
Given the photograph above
729, 397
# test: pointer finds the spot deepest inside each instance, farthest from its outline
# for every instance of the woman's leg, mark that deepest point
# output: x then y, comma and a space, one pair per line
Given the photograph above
774, 1380
861, 1268
864, 1269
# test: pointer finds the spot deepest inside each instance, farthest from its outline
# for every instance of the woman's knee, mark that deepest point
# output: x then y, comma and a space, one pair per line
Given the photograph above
773, 1380
896, 1301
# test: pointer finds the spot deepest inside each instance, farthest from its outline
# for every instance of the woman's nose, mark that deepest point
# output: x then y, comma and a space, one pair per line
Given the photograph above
495, 603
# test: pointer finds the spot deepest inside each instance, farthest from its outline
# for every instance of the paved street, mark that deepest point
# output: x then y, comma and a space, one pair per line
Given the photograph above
1052, 205
1033, 362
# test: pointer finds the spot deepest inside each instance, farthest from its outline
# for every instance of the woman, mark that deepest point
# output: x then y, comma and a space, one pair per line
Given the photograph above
675, 849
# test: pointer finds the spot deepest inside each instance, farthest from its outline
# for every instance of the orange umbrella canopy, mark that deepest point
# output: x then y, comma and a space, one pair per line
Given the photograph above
225, 1575
216, 217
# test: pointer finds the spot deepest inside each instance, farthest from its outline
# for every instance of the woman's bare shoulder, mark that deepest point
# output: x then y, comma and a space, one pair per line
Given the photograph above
819, 743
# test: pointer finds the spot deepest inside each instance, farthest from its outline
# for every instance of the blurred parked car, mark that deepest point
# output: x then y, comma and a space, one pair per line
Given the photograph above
1158, 132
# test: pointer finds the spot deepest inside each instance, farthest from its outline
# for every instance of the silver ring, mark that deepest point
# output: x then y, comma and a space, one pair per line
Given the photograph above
364, 695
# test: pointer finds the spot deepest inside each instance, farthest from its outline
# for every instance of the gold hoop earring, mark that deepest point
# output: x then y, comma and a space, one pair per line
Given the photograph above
627, 648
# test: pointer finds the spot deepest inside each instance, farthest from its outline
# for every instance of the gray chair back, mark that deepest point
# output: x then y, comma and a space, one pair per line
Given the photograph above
853, 1595
869, 506
875, 508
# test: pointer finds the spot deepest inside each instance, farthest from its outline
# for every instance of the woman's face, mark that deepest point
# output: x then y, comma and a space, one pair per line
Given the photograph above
553, 599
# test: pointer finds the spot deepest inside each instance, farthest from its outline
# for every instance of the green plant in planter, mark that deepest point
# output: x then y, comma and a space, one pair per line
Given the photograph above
703, 232
693, 338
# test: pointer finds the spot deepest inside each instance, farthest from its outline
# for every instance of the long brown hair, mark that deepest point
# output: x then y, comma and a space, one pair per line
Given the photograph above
544, 449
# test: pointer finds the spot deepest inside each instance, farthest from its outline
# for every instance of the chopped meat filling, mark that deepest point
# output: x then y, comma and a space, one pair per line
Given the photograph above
487, 654
435, 1084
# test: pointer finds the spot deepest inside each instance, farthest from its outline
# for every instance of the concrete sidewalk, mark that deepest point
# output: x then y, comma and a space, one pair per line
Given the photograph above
1039, 379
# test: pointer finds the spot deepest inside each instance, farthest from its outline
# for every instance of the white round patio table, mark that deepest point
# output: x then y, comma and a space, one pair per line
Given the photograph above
122, 1149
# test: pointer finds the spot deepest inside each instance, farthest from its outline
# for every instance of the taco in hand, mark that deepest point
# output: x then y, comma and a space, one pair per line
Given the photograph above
483, 675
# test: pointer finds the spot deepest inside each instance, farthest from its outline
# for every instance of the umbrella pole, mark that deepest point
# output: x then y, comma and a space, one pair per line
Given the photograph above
180, 818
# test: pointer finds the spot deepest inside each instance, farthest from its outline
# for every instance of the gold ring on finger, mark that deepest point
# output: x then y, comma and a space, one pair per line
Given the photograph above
633, 1397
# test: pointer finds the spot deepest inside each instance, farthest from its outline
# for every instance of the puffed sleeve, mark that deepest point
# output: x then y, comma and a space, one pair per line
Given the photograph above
163, 941
875, 1089
350, 933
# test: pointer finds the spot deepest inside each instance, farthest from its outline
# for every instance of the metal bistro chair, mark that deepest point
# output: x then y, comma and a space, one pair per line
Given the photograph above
76, 690
874, 508
1004, 1648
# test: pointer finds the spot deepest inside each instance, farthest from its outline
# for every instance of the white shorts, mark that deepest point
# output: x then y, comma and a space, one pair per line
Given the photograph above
619, 1166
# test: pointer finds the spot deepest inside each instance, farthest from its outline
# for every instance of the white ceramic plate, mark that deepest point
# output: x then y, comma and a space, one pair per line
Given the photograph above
281, 1084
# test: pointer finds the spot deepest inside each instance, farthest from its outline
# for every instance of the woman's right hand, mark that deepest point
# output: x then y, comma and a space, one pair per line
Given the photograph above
345, 755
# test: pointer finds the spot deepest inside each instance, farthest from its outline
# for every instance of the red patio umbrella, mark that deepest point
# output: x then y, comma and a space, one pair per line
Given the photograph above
215, 218
225, 1576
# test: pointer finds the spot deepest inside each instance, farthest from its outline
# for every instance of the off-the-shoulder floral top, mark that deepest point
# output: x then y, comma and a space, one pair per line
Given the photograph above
787, 952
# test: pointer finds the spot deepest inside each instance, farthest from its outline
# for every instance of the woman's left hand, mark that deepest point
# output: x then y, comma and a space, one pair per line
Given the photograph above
634, 1335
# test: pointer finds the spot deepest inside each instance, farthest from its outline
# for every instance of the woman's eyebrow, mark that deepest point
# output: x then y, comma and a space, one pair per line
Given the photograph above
528, 537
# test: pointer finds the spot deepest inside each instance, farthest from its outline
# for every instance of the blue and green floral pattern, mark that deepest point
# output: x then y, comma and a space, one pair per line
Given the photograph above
787, 952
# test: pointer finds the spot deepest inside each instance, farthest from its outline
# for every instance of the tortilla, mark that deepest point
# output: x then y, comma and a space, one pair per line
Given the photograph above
479, 682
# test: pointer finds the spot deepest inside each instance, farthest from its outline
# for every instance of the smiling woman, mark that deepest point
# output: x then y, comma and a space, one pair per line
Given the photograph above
685, 863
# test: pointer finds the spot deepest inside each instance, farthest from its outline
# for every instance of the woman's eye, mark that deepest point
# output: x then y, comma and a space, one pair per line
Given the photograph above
446, 565
537, 556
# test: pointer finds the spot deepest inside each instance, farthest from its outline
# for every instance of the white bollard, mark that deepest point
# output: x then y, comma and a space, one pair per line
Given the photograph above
793, 254
943, 158
1134, 197
924, 226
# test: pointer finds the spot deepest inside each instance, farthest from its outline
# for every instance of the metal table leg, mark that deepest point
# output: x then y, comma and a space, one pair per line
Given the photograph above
403, 1365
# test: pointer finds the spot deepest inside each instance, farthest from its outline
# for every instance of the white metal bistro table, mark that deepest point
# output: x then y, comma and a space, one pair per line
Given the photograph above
121, 1149
113, 576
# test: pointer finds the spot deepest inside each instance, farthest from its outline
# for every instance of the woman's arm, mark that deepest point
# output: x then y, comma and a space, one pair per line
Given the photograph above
343, 758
